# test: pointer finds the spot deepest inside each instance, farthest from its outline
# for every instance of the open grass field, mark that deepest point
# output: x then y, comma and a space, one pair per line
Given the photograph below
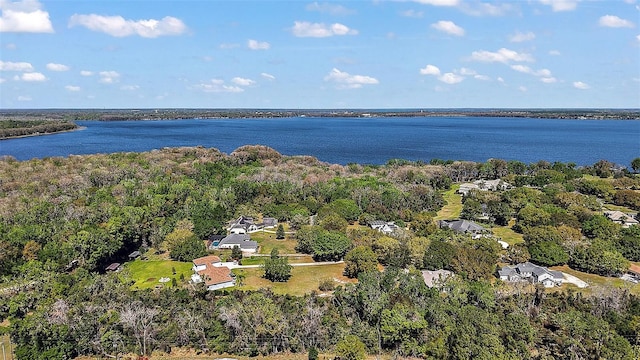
596, 281
507, 234
304, 279
268, 242
146, 273
453, 205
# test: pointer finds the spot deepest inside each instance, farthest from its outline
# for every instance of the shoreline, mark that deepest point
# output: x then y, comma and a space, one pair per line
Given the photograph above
43, 134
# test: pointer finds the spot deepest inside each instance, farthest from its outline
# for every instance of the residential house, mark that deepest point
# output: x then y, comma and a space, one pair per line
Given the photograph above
243, 241
626, 220
247, 225
532, 273
436, 277
269, 223
212, 272
463, 226
386, 227
483, 185
213, 241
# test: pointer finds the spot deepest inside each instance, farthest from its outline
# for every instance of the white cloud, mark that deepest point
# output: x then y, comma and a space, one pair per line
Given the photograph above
72, 88
109, 77
544, 74
218, 86
11, 46
548, 80
522, 88
450, 78
242, 81
467, 72
430, 70
486, 9
258, 45
24, 98
57, 67
15, 66
500, 79
348, 81
320, 30
638, 37
86, 73
268, 76
503, 55
522, 68
328, 8
614, 22
561, 5
120, 27
580, 85
33, 77
448, 27
439, 2
521, 37
412, 14
24, 16
130, 87
481, 77
2, 80
554, 53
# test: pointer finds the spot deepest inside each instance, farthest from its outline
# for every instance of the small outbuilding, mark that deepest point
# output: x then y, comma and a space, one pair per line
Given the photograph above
113, 267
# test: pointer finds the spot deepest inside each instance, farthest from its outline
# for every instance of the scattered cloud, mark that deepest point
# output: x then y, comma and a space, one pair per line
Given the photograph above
33, 77
481, 77
522, 89
329, 8
467, 72
268, 76
544, 74
24, 98
549, 80
72, 88
57, 67
242, 81
218, 86
439, 2
479, 8
320, 30
2, 80
86, 73
448, 27
561, 5
130, 87
554, 53
120, 27
580, 85
430, 70
229, 46
638, 37
412, 14
11, 46
503, 55
613, 21
24, 16
15, 66
258, 45
522, 37
451, 78
347, 81
109, 77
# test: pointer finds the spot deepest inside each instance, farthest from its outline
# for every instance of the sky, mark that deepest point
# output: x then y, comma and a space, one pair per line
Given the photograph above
315, 55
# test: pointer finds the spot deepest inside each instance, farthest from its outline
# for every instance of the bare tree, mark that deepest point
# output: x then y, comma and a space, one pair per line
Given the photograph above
139, 319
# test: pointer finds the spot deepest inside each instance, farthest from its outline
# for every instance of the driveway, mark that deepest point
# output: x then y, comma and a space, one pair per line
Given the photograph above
570, 279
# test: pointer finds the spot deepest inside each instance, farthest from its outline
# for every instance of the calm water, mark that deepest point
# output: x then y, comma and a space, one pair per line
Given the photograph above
357, 140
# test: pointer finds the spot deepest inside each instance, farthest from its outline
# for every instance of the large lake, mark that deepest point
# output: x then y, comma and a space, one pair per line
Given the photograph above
357, 140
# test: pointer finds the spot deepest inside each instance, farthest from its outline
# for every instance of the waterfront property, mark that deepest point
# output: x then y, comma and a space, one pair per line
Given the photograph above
483, 185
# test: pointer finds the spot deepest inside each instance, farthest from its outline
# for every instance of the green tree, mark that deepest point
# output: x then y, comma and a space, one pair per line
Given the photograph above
422, 224
548, 253
280, 232
330, 246
236, 253
188, 249
601, 257
360, 259
635, 165
276, 268
351, 348
439, 255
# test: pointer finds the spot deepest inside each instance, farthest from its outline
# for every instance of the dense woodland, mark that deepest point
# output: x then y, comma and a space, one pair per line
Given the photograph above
62, 220
17, 128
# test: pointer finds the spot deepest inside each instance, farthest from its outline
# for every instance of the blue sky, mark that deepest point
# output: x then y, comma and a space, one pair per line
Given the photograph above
331, 54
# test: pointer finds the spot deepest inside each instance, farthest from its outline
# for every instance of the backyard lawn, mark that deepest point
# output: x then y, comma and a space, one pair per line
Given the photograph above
147, 273
507, 234
268, 242
304, 279
595, 281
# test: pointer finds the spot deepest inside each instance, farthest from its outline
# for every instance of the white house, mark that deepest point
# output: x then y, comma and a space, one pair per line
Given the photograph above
483, 185
532, 273
386, 227
626, 220
243, 241
212, 272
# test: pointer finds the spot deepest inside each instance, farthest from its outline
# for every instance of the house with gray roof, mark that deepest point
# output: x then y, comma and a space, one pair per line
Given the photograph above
386, 227
532, 273
463, 226
243, 241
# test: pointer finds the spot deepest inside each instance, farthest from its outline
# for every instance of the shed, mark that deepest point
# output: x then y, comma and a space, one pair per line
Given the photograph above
134, 255
112, 267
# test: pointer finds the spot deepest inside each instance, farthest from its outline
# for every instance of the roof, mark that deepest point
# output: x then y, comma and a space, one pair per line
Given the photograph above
113, 267
269, 221
507, 271
462, 225
377, 223
134, 254
213, 275
206, 260
620, 216
216, 237
242, 240
432, 276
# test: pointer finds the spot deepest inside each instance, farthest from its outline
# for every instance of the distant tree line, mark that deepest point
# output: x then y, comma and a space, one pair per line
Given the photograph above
16, 128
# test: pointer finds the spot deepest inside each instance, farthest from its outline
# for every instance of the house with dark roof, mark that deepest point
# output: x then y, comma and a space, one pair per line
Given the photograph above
463, 226
246, 225
211, 271
243, 241
532, 273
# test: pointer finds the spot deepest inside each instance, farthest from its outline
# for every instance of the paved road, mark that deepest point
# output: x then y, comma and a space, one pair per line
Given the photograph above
231, 266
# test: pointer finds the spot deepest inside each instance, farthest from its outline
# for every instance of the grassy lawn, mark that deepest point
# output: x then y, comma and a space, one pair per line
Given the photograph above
453, 205
268, 242
304, 279
146, 273
598, 281
509, 236
5, 345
